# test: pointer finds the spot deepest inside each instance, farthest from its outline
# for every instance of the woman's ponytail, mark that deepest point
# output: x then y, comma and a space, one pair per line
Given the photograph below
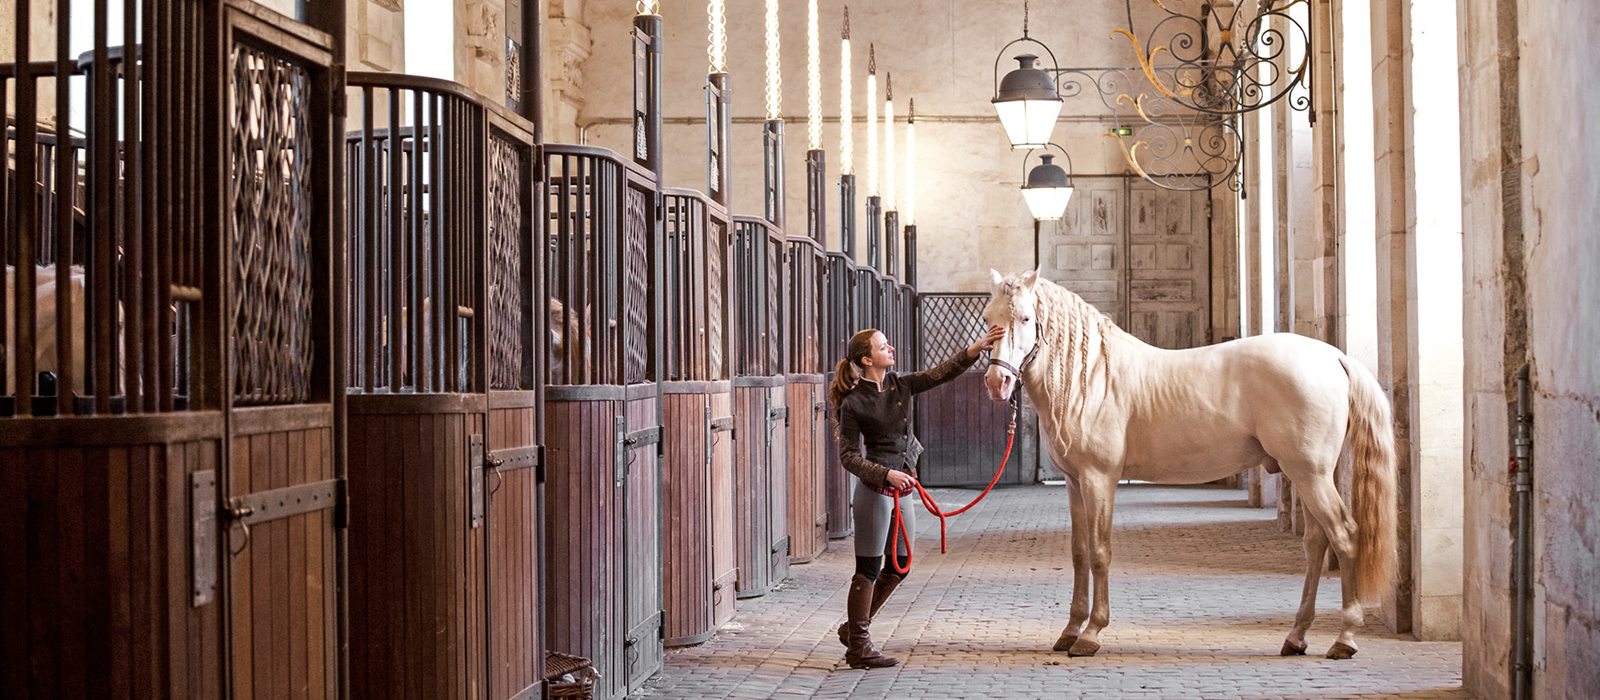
844, 380
846, 374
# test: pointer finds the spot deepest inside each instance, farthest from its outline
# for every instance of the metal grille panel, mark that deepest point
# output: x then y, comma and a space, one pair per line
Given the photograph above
269, 144
716, 281
505, 265
947, 323
636, 287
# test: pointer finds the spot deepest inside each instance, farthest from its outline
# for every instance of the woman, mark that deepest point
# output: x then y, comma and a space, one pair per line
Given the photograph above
873, 407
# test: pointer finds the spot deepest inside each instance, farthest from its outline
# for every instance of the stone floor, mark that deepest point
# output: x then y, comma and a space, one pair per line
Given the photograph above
1203, 590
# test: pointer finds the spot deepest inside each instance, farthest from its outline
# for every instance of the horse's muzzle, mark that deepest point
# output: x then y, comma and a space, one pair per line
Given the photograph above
1000, 383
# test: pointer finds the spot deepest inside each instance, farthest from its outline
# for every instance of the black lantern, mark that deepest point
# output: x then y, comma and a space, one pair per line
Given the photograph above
1026, 98
1048, 187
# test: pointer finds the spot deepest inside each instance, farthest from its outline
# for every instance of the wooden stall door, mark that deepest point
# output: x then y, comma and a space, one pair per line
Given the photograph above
513, 523
641, 484
808, 507
778, 482
724, 562
282, 587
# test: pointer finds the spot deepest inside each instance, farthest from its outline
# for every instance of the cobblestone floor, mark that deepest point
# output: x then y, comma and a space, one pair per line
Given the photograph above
1203, 590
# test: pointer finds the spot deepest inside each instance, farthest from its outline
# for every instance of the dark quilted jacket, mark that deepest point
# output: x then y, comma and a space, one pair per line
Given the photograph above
882, 420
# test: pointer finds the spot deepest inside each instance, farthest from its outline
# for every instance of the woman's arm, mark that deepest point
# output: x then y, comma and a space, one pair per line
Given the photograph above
919, 382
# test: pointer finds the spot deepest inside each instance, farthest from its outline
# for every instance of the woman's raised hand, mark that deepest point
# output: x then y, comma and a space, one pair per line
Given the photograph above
987, 341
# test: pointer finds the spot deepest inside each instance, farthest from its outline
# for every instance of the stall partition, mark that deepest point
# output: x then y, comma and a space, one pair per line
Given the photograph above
760, 409
170, 432
443, 392
697, 474
603, 408
806, 398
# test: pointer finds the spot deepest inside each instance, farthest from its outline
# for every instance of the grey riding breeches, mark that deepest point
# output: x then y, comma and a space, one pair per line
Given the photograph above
874, 515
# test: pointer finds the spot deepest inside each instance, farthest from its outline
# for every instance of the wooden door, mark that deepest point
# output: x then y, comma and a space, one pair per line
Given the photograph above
778, 482
512, 476
1138, 253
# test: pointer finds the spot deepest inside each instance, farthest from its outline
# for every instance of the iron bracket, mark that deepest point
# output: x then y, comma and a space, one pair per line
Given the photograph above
203, 512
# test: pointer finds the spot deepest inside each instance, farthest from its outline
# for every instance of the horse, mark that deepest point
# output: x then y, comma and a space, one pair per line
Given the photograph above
1112, 407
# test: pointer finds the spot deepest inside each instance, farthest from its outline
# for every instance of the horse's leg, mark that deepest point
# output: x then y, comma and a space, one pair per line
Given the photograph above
1316, 552
1080, 570
1323, 504
1098, 493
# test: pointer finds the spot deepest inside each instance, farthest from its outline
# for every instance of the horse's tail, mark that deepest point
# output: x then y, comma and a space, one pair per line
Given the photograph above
1371, 439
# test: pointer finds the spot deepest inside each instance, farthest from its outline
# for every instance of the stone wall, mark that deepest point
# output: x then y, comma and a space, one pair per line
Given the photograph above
1531, 166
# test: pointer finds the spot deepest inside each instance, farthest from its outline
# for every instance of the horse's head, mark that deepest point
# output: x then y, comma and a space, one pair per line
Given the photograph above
1012, 306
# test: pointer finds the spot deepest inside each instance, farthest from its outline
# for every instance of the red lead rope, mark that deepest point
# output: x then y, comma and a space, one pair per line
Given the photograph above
898, 531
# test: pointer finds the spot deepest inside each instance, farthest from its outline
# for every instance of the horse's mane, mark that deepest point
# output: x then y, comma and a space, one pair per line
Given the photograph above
1074, 334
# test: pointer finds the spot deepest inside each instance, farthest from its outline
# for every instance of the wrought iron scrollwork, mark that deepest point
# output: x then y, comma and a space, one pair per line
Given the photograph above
1227, 63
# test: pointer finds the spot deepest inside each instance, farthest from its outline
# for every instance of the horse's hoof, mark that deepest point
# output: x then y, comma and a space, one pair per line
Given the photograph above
1083, 647
1065, 642
1289, 649
1340, 650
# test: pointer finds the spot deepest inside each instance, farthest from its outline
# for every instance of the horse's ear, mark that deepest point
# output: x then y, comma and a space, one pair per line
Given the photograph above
995, 280
1029, 279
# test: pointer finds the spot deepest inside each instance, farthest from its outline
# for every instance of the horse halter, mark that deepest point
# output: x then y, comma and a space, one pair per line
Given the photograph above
1017, 370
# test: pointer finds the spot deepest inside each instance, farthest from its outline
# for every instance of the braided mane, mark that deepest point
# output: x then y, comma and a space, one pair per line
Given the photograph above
1073, 334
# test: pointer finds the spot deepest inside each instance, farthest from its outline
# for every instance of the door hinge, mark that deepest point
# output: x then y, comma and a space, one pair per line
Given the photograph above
475, 463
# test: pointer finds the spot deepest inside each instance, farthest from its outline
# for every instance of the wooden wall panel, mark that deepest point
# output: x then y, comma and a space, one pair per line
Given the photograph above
686, 519
583, 521
96, 597
724, 562
841, 522
515, 649
808, 504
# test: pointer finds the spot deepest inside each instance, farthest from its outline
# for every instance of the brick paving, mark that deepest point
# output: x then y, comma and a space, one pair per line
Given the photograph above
1203, 590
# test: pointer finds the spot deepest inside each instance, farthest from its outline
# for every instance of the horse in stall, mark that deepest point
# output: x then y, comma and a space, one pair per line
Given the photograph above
1112, 408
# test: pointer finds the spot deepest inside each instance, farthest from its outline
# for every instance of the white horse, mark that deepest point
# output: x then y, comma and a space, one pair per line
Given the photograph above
1111, 408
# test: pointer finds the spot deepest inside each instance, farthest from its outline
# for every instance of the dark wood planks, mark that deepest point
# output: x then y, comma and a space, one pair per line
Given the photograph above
724, 560
963, 433
95, 601
751, 510
515, 649
778, 541
686, 519
808, 505
411, 600
642, 648
583, 538
283, 604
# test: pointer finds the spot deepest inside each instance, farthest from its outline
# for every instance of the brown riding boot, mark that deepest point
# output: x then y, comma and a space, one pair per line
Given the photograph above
859, 652
887, 582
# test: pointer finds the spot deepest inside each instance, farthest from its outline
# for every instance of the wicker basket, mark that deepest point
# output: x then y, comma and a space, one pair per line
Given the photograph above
557, 664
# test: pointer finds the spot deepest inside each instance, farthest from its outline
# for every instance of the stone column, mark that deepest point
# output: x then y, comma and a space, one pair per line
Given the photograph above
1419, 310
1495, 330
567, 45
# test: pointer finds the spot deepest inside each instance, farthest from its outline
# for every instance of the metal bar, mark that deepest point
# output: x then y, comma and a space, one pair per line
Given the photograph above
417, 324
266, 506
453, 207
172, 373
27, 120
394, 262
5, 243
369, 235
64, 184
132, 335
436, 148
153, 345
